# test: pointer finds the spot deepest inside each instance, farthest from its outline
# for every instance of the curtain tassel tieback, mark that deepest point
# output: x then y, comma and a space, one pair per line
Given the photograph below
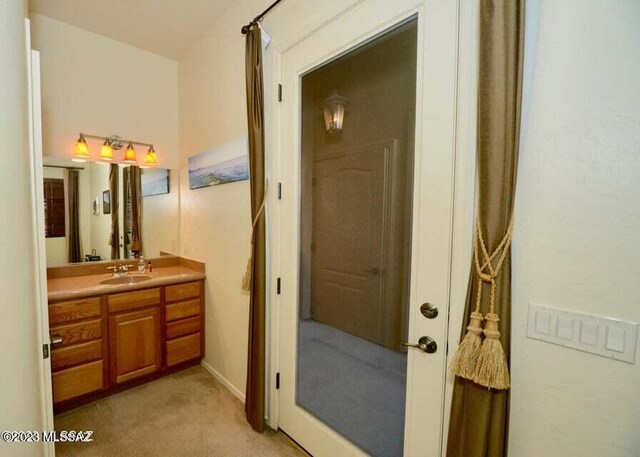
484, 361
248, 274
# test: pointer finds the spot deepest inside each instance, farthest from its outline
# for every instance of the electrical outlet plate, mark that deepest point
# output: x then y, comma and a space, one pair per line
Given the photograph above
605, 336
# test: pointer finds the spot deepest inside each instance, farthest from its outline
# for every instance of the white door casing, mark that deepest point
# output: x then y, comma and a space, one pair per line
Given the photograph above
432, 211
37, 209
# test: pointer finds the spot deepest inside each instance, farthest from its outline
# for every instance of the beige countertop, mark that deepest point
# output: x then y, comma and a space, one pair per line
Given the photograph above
89, 285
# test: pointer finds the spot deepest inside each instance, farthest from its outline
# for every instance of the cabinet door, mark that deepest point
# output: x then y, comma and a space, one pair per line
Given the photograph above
134, 344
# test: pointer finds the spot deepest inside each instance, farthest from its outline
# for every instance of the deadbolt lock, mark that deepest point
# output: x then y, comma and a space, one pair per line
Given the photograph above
429, 311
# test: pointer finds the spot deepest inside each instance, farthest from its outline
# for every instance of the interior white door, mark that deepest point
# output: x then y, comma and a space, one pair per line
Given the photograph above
432, 148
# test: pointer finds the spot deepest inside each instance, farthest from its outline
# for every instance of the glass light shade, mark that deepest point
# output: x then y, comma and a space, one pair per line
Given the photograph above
333, 108
82, 150
151, 159
130, 155
106, 152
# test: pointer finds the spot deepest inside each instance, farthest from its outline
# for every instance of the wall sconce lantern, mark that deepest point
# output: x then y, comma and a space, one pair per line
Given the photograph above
333, 108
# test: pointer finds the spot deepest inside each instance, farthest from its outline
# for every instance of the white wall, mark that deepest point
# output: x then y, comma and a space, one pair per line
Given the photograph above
215, 223
20, 357
577, 241
100, 86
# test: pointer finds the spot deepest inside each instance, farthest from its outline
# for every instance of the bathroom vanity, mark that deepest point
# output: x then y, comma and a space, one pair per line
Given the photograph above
111, 332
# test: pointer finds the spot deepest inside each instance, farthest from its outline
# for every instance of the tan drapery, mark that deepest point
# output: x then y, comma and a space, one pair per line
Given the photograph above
479, 416
255, 396
133, 193
114, 238
75, 251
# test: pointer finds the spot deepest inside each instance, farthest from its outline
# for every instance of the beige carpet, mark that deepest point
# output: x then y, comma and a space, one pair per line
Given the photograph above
184, 414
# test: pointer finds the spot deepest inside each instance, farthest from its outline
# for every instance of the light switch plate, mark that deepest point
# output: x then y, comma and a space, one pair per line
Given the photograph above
605, 336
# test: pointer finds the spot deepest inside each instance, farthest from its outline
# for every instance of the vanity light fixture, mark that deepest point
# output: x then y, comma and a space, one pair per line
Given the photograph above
333, 108
111, 143
130, 154
151, 159
82, 150
106, 152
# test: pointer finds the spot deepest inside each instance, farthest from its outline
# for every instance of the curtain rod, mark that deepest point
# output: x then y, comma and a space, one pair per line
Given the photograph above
60, 166
245, 28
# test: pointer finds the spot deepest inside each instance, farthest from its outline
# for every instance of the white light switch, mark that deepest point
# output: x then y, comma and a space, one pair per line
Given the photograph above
543, 323
604, 336
615, 339
564, 328
588, 333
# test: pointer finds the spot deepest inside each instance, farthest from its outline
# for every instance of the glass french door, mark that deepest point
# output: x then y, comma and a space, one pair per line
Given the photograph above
364, 242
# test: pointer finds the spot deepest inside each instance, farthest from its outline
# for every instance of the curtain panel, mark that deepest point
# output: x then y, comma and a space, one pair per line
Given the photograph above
75, 250
255, 389
114, 237
479, 421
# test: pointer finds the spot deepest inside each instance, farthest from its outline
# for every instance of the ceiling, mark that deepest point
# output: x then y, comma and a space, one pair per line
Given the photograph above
165, 27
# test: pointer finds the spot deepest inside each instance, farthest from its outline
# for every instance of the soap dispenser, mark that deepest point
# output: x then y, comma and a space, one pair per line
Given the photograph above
141, 265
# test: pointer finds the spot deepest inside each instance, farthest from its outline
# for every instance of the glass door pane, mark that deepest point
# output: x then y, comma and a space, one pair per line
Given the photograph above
358, 121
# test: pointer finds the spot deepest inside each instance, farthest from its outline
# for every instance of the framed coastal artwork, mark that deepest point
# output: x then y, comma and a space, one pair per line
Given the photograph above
155, 181
226, 163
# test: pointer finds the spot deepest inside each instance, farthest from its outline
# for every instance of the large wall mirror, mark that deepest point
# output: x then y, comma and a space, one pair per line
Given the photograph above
96, 212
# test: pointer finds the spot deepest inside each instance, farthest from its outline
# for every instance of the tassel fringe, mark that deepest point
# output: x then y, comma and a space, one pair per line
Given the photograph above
246, 279
464, 361
491, 369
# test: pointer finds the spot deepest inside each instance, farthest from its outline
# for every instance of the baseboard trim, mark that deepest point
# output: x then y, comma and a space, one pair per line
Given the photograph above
225, 382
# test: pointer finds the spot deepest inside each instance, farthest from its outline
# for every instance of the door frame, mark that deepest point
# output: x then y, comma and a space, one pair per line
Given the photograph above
37, 212
463, 197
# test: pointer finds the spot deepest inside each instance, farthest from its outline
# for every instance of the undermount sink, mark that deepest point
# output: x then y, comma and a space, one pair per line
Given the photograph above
132, 279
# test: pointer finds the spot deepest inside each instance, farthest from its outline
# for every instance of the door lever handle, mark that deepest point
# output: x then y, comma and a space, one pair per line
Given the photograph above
425, 344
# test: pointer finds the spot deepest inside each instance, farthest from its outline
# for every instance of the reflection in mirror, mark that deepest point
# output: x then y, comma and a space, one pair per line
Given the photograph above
83, 208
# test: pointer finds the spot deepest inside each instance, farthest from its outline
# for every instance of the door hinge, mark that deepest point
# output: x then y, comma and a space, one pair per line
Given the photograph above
45, 351
278, 286
279, 92
277, 381
279, 191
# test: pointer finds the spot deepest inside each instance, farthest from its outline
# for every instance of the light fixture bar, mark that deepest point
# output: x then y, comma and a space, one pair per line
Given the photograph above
98, 137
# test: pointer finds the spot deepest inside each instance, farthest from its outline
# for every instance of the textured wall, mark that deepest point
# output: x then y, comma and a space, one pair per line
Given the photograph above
577, 240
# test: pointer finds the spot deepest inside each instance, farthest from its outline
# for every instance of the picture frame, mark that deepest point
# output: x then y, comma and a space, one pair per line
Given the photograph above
106, 202
155, 181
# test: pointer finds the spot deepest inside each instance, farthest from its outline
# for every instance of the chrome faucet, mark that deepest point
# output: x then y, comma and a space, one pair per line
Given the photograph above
119, 270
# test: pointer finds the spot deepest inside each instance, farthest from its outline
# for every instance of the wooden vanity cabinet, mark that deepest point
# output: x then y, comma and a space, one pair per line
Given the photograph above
111, 340
78, 362
183, 316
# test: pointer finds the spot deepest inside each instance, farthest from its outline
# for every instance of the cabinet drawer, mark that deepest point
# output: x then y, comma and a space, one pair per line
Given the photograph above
183, 349
76, 354
77, 381
78, 332
183, 327
182, 291
74, 310
133, 300
182, 309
